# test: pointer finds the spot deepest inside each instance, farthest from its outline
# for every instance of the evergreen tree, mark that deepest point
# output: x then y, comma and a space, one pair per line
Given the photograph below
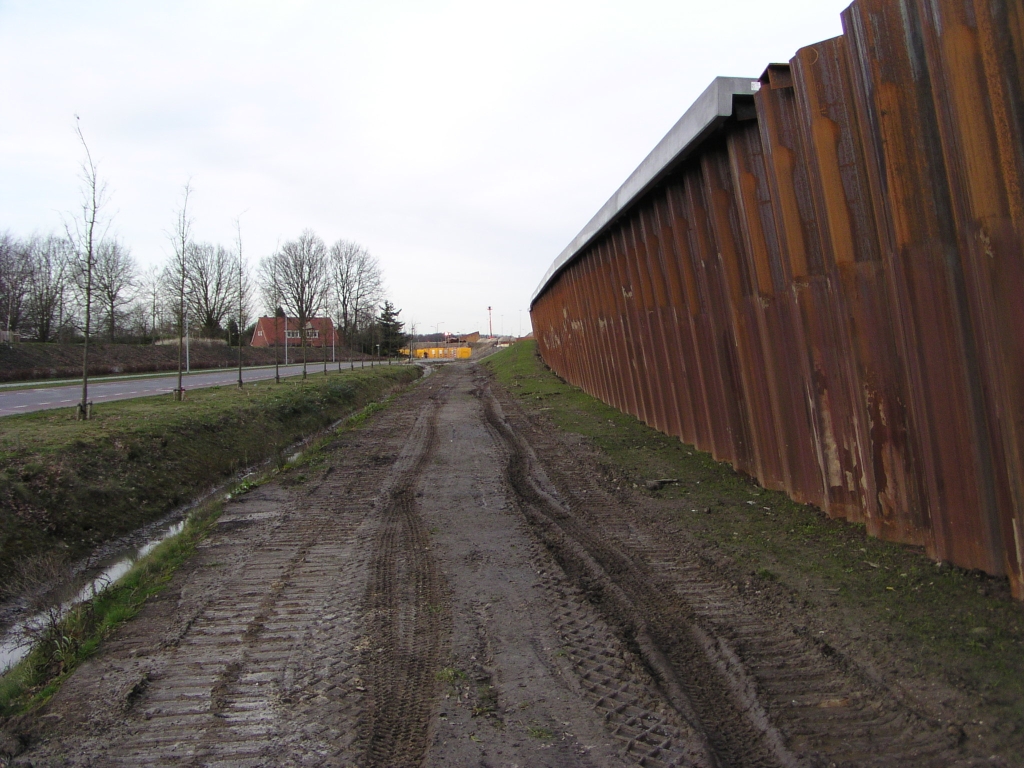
391, 336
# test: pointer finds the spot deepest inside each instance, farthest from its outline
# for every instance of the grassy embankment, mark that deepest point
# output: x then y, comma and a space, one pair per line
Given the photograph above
942, 621
270, 419
66, 485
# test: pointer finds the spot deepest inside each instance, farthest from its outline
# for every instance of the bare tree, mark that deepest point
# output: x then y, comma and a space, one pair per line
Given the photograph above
177, 272
301, 275
150, 292
210, 286
15, 275
48, 285
270, 287
358, 285
242, 290
115, 277
83, 230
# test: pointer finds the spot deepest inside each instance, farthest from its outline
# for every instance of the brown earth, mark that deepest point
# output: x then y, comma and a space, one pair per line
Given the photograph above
31, 361
456, 585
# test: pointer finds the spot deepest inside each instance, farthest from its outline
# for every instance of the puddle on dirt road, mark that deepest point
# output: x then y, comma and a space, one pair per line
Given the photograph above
16, 642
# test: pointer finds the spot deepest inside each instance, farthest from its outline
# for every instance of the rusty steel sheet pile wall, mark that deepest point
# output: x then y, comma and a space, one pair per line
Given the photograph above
822, 283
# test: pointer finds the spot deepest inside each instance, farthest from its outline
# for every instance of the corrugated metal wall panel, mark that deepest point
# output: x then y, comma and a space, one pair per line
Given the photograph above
830, 296
924, 265
828, 292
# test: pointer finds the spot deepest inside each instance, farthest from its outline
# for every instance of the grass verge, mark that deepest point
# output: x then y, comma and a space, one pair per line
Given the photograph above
932, 619
66, 486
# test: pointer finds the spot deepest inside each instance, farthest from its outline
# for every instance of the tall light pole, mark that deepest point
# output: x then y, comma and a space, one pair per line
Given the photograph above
490, 324
437, 328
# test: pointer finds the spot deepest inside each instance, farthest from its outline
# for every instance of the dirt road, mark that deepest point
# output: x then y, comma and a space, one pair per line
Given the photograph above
457, 587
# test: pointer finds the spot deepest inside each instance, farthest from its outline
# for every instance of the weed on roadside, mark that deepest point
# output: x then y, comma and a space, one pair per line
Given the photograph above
486, 702
451, 675
538, 732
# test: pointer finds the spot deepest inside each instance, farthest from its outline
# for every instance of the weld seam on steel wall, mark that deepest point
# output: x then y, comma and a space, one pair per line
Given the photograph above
827, 291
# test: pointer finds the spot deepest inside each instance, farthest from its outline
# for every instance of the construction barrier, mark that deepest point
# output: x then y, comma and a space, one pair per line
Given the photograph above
440, 353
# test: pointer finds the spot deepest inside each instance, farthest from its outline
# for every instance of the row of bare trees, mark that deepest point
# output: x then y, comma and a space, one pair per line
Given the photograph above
68, 286
44, 287
305, 278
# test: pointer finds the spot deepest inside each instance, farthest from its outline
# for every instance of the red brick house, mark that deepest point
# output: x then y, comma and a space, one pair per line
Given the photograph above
272, 332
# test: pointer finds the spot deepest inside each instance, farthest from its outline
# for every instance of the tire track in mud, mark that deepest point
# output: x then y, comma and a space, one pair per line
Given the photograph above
618, 684
655, 627
812, 706
404, 643
243, 680
254, 658
828, 709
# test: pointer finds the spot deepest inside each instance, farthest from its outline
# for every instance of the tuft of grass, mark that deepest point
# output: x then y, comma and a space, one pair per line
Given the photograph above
67, 485
451, 675
537, 732
486, 702
959, 626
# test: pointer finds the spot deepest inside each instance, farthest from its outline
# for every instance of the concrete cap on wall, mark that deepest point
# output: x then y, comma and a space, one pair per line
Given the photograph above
710, 110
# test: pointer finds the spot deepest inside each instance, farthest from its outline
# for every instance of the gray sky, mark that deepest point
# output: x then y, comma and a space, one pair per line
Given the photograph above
464, 143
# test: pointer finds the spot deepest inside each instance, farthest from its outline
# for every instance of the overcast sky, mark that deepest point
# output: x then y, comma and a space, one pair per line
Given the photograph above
463, 143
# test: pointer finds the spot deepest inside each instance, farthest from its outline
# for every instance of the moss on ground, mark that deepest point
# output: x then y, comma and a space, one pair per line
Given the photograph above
67, 485
961, 626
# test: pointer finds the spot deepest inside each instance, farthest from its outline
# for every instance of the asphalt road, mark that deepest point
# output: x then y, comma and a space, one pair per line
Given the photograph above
25, 400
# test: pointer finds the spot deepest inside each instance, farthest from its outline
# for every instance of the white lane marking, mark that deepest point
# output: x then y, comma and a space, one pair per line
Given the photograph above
45, 403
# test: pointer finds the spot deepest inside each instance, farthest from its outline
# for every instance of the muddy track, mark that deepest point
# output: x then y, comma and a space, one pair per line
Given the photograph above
263, 652
402, 648
454, 585
654, 625
758, 693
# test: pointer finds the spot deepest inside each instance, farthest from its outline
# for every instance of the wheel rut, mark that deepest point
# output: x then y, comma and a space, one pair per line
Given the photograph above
455, 586
758, 692
655, 627
402, 649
